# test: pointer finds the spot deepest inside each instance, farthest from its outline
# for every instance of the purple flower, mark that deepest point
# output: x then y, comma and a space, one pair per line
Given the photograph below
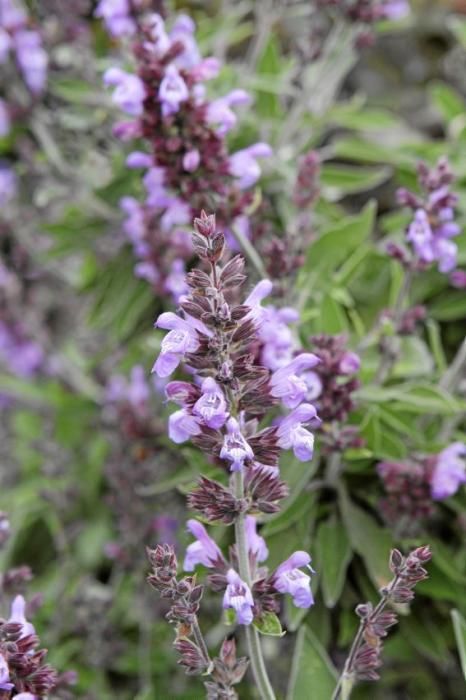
147, 271
394, 9
175, 282
181, 425
154, 183
17, 614
25, 696
191, 160
287, 385
220, 114
138, 389
239, 597
32, 59
5, 675
5, 124
129, 93
235, 449
244, 165
314, 385
7, 184
293, 435
289, 579
5, 45
183, 31
350, 363
276, 336
211, 406
180, 392
138, 159
181, 339
445, 252
117, 17
172, 91
12, 16
458, 279
256, 544
177, 213
161, 42
254, 299
421, 236
203, 550
449, 472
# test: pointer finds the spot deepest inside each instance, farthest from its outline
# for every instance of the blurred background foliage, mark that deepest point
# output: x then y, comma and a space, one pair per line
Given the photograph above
80, 483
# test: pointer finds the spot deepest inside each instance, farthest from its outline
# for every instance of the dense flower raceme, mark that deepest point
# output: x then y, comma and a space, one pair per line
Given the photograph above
186, 159
220, 412
368, 11
433, 227
412, 487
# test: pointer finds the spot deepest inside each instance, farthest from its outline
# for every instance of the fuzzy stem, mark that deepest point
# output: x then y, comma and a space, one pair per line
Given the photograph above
252, 636
199, 637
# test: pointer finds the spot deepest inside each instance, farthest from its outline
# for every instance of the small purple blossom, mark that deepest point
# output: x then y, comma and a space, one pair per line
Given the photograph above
238, 596
235, 449
117, 17
293, 435
8, 184
244, 165
288, 578
220, 114
203, 550
191, 160
182, 425
256, 544
173, 91
32, 59
449, 472
287, 385
181, 339
129, 93
18, 614
212, 405
350, 363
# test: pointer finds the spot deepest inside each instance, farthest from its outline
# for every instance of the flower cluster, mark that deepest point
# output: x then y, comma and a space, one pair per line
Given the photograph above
433, 227
412, 487
188, 166
364, 659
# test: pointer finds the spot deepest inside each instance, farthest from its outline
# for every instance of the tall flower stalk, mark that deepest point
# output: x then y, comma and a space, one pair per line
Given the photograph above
220, 412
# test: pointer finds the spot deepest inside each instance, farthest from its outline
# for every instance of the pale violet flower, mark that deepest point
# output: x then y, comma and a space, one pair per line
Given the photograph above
238, 596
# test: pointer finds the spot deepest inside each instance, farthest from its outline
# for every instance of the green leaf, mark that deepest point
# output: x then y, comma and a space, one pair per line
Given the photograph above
312, 672
414, 358
368, 539
333, 248
459, 627
340, 180
449, 306
269, 624
333, 555
229, 617
449, 103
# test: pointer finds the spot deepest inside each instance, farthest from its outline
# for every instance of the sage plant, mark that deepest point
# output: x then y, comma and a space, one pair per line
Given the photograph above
221, 411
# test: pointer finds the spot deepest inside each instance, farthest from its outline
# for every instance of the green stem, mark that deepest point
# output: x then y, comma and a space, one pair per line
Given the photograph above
252, 636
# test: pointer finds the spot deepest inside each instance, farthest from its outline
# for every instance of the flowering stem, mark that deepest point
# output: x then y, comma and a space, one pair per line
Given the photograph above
347, 678
252, 636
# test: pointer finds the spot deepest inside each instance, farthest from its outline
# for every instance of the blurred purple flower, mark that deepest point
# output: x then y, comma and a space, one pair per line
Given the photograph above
449, 471
5, 124
287, 385
18, 614
182, 425
172, 91
129, 93
8, 184
244, 165
32, 59
117, 17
